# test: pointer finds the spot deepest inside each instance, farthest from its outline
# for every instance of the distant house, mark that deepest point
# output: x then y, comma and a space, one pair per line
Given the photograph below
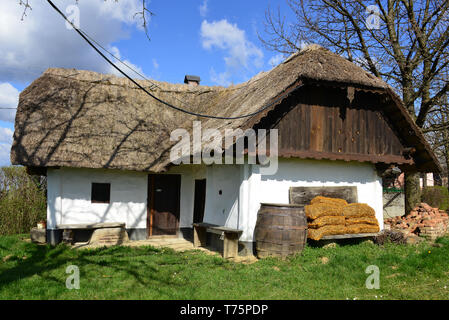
105, 145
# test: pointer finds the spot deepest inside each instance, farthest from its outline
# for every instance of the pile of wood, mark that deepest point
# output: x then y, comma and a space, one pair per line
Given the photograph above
332, 216
423, 220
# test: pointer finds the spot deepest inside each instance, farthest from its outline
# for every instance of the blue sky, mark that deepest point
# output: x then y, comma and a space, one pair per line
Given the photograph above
216, 40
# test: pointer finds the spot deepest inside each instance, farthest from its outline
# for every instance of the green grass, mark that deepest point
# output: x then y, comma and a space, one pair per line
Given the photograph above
29, 271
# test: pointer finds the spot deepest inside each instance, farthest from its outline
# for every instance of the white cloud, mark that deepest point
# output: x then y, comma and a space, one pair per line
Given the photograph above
203, 8
6, 135
155, 64
222, 79
128, 69
275, 60
9, 98
5, 150
42, 40
5, 146
240, 53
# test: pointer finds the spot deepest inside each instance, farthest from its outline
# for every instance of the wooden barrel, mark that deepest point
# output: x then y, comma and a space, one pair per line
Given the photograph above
281, 230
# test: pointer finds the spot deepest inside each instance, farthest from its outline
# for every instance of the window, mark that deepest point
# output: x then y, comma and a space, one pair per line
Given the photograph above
101, 193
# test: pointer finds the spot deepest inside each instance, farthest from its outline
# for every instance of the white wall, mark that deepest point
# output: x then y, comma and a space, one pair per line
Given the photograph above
69, 197
244, 188
222, 209
69, 192
429, 180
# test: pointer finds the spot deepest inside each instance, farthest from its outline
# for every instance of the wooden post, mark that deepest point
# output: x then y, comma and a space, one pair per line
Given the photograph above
199, 236
231, 245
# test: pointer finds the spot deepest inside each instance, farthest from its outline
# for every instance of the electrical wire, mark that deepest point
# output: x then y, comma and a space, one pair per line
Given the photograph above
86, 38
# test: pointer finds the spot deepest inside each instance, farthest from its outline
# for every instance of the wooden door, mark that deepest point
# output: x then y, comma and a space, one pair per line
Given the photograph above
164, 195
200, 200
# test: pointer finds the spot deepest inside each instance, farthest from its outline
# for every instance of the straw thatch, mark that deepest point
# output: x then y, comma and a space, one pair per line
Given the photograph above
84, 119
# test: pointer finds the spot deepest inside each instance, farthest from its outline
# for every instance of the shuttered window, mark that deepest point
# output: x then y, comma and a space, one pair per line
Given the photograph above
101, 193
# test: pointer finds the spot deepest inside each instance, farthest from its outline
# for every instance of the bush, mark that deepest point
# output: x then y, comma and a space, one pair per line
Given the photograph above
22, 200
437, 197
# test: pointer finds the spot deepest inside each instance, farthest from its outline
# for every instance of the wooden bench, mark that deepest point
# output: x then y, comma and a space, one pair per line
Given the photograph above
68, 236
231, 237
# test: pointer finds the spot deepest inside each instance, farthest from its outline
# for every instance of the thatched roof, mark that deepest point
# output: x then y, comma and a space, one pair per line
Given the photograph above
85, 119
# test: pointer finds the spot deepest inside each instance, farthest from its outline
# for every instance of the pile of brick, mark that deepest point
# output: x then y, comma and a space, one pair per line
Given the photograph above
423, 220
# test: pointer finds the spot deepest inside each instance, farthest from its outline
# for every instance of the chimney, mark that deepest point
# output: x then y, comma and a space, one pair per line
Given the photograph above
192, 80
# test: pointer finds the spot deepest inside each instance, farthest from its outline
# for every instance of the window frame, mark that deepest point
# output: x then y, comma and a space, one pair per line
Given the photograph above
97, 192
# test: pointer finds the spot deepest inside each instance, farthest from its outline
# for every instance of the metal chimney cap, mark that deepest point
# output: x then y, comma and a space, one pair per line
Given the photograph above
190, 78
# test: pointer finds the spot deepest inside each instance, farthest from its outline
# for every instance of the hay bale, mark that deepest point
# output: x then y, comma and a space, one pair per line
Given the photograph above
362, 220
326, 220
317, 234
317, 210
361, 228
356, 210
332, 201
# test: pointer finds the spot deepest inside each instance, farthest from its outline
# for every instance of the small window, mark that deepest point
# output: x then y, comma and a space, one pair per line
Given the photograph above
101, 193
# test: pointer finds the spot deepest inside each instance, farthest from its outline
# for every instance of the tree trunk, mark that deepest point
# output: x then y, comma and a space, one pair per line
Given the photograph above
446, 183
412, 191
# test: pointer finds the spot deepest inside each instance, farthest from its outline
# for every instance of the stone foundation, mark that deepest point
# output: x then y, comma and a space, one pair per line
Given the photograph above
109, 236
38, 235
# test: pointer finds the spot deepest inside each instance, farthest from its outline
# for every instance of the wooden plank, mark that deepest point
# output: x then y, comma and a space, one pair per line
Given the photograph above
204, 225
227, 230
316, 133
306, 127
347, 157
216, 227
349, 236
303, 195
91, 225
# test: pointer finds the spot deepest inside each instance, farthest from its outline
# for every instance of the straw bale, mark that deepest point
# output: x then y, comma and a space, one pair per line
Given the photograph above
317, 234
335, 201
314, 211
326, 220
359, 220
354, 210
361, 228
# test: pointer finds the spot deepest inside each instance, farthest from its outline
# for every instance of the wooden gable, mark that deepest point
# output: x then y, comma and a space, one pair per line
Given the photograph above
334, 123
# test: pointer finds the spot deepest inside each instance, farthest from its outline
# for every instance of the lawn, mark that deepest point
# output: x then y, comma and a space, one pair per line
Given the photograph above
29, 271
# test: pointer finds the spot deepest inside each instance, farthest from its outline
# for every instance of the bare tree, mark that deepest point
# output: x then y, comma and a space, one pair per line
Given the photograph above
404, 42
436, 128
144, 14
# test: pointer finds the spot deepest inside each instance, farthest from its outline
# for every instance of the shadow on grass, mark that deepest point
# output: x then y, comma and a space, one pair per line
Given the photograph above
146, 265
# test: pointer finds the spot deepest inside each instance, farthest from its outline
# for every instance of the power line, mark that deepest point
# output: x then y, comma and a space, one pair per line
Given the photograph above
82, 34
